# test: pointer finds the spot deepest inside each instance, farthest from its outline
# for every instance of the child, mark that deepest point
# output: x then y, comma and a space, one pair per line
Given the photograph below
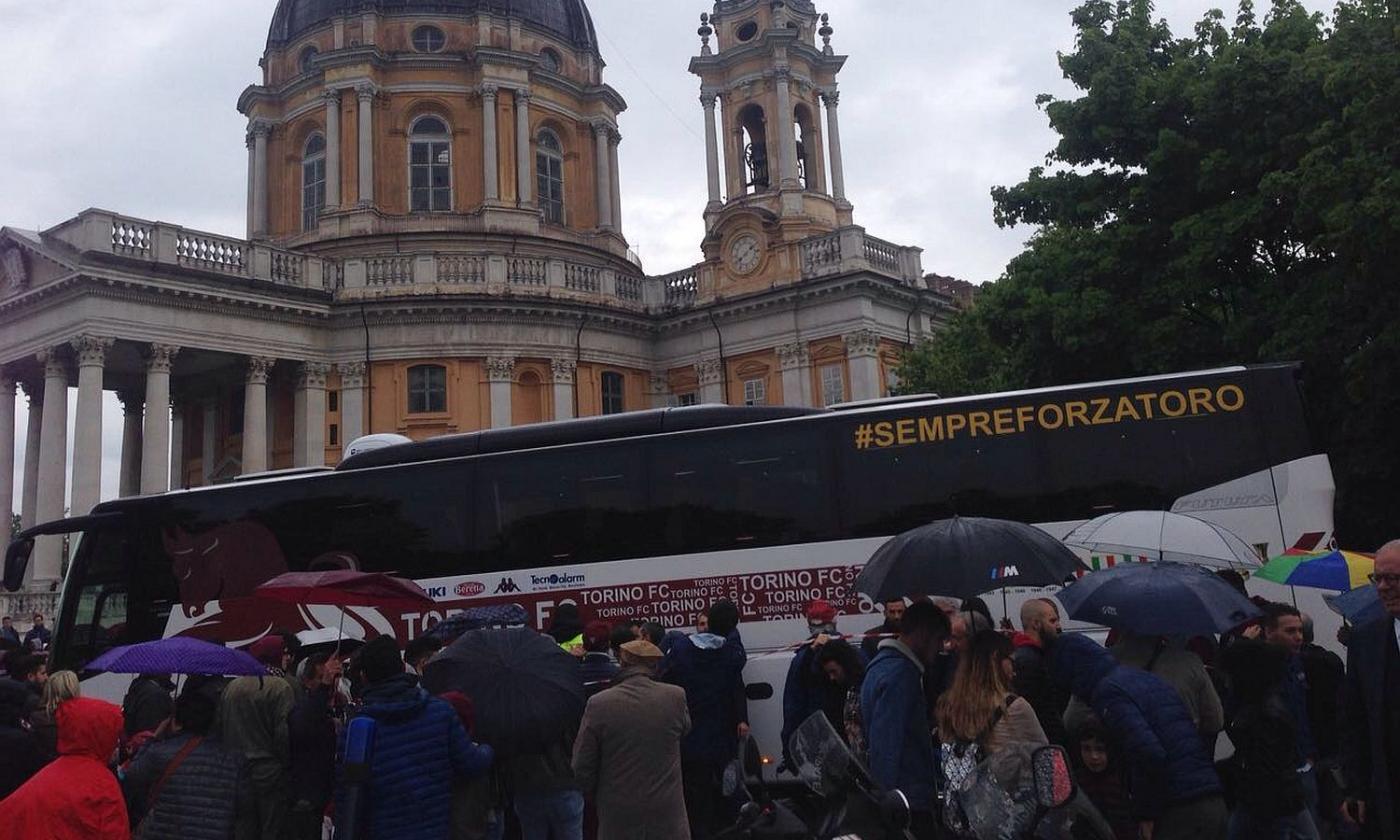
1101, 781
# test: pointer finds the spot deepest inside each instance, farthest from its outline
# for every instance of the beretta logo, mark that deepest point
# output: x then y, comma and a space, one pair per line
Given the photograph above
468, 588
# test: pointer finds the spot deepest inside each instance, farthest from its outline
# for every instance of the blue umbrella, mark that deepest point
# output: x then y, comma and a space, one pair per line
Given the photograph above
177, 655
1361, 605
1158, 599
475, 618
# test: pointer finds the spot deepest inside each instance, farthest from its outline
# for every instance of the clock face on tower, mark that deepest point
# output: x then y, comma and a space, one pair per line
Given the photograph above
744, 254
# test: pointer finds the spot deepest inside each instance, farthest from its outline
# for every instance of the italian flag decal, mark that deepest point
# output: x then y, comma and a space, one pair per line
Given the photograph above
1108, 561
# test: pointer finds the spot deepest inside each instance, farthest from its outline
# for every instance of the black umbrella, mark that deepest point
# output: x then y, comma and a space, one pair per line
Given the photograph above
963, 557
527, 691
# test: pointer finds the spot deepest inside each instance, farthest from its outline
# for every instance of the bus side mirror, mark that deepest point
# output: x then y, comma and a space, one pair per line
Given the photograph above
16, 561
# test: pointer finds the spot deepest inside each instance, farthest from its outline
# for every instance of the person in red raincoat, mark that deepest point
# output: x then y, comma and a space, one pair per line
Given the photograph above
76, 796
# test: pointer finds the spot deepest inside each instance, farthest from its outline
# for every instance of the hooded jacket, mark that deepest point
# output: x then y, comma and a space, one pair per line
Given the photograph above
75, 797
1146, 719
1033, 682
897, 726
711, 670
419, 746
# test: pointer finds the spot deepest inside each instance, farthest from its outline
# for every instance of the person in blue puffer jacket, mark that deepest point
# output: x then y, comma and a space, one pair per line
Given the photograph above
419, 746
1174, 790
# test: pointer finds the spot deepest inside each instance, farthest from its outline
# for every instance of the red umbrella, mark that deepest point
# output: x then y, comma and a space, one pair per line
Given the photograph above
345, 588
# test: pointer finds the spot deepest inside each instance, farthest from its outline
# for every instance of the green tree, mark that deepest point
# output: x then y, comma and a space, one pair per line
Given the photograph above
1230, 196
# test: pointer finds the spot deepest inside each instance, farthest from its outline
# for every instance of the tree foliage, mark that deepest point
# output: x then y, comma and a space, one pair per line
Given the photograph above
1230, 196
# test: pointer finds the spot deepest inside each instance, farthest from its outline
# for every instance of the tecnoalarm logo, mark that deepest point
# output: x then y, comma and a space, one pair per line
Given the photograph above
555, 580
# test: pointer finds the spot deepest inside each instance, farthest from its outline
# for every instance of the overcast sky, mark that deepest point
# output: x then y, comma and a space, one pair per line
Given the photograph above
130, 107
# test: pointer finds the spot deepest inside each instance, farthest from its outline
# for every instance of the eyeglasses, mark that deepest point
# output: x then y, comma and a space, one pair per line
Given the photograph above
1384, 579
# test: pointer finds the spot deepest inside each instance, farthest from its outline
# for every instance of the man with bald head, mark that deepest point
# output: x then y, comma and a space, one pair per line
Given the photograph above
1040, 627
1371, 710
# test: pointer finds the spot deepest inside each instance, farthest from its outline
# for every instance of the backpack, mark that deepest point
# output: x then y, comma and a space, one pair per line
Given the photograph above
967, 780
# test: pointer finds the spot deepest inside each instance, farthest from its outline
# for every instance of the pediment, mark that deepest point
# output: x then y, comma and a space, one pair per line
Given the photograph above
27, 262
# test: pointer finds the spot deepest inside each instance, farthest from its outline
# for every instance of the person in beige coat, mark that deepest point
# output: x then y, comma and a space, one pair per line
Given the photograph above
627, 756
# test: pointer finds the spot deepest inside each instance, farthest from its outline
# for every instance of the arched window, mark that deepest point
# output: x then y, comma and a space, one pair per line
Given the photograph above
613, 402
753, 128
808, 163
428, 39
549, 60
430, 166
313, 181
307, 56
549, 175
427, 389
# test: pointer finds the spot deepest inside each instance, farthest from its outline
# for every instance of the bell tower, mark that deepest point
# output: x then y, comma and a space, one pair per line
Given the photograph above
768, 81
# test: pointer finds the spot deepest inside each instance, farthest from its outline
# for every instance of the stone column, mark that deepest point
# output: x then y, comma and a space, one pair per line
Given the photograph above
309, 423
332, 98
564, 373
365, 138
209, 445
155, 434
710, 373
255, 415
787, 136
177, 444
47, 564
87, 431
831, 99
524, 161
352, 401
601, 177
133, 409
863, 357
500, 372
252, 177
7, 447
260, 131
796, 364
490, 160
708, 100
616, 196
29, 498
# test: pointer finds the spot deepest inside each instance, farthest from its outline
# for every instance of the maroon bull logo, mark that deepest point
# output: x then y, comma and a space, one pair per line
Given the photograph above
226, 561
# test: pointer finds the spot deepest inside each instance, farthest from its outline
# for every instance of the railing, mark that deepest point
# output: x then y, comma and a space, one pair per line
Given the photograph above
629, 287
131, 237
582, 278
460, 268
24, 604
211, 253
881, 254
389, 271
527, 271
287, 267
681, 287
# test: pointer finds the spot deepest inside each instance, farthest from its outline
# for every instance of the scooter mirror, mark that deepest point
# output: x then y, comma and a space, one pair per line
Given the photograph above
750, 758
894, 811
16, 561
1054, 785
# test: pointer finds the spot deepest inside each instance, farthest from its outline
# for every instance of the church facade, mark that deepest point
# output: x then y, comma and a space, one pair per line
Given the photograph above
436, 244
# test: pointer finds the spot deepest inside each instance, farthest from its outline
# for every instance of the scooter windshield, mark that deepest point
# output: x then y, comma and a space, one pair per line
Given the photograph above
821, 759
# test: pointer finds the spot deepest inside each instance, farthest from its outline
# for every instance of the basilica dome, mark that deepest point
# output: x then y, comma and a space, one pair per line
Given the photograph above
566, 19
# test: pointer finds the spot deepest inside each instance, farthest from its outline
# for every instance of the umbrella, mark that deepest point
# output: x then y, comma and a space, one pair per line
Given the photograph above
345, 588
1165, 535
329, 635
527, 691
1339, 570
475, 618
1158, 599
1361, 605
177, 655
965, 556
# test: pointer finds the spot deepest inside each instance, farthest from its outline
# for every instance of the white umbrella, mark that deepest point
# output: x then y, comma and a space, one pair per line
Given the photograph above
1163, 535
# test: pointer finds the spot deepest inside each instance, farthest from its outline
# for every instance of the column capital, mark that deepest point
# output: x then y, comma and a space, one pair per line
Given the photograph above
563, 371
488, 90
793, 356
366, 90
602, 128
352, 374
831, 97
132, 401
312, 374
708, 371
160, 357
862, 343
258, 369
500, 368
259, 128
91, 350
331, 96
709, 98
54, 363
523, 96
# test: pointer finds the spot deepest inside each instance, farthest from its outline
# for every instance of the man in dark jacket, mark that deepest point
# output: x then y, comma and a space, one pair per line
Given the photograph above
597, 668
710, 667
1176, 793
203, 793
805, 687
311, 733
894, 611
1040, 627
8, 632
1325, 673
22, 751
419, 746
895, 713
1283, 627
148, 703
1371, 710
37, 638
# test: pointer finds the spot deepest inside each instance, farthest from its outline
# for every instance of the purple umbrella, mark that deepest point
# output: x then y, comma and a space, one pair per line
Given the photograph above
177, 655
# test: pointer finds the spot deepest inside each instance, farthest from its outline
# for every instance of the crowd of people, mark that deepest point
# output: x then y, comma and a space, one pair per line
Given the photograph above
926, 699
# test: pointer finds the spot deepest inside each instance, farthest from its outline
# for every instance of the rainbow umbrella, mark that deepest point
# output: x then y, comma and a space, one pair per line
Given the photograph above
1339, 570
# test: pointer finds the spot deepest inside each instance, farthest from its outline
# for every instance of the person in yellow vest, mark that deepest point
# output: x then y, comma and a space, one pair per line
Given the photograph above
566, 628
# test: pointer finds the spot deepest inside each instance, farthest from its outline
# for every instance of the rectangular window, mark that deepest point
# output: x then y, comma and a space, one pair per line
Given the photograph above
613, 400
427, 389
755, 392
430, 176
313, 191
686, 399
833, 385
549, 171
332, 401
335, 434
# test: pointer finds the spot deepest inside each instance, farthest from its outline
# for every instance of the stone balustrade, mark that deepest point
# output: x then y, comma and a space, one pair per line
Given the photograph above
851, 249
23, 604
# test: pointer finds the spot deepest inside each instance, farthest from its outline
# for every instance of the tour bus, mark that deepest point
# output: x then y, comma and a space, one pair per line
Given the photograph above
657, 514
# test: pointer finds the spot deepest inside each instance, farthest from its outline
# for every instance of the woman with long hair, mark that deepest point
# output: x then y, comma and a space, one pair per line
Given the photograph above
60, 687
979, 707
